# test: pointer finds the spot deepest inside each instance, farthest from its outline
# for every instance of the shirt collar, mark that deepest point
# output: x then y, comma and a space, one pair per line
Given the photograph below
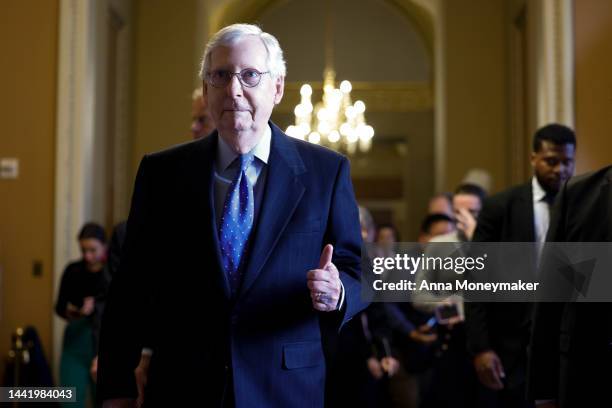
226, 156
537, 190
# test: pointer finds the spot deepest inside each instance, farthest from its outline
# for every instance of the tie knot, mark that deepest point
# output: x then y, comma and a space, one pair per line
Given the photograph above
549, 198
245, 161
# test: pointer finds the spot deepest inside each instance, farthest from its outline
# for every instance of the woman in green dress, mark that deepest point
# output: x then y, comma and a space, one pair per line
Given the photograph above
82, 283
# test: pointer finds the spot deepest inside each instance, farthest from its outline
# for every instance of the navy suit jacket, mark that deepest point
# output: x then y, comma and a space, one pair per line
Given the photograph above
170, 291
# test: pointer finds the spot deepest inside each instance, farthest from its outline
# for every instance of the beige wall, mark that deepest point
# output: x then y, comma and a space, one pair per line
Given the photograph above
593, 53
165, 67
28, 39
476, 97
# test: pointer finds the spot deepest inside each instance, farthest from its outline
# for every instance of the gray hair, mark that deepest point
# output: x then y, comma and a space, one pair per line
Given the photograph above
234, 33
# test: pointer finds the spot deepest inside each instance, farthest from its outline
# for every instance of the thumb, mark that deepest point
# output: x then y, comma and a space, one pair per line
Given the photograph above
326, 256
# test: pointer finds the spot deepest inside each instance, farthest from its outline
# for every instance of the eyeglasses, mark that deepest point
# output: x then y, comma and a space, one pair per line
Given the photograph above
248, 77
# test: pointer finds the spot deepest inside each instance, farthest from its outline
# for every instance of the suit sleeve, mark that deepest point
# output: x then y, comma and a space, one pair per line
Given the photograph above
122, 324
344, 233
476, 313
396, 320
543, 364
62, 297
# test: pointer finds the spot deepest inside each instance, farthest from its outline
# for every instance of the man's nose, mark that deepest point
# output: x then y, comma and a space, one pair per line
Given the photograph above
234, 88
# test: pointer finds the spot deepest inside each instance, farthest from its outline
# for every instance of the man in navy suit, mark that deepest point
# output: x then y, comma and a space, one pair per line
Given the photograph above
242, 252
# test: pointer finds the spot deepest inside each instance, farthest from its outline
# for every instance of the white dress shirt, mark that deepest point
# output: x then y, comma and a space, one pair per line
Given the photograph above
541, 211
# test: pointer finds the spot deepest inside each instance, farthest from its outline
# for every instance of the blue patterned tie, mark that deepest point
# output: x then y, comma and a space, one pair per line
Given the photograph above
237, 221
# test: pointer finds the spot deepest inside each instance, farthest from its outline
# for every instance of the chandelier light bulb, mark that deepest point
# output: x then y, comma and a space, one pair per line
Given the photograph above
299, 110
290, 131
334, 136
345, 129
369, 132
345, 86
361, 131
359, 107
314, 137
306, 90
333, 121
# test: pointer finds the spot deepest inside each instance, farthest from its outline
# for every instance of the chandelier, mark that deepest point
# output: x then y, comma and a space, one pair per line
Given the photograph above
334, 121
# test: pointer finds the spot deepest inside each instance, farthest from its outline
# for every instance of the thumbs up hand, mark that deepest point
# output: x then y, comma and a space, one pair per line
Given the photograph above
324, 282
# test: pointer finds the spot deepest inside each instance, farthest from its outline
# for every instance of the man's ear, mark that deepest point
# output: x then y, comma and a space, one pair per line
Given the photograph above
533, 158
280, 89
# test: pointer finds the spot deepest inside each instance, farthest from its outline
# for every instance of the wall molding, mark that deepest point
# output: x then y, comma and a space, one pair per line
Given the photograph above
556, 65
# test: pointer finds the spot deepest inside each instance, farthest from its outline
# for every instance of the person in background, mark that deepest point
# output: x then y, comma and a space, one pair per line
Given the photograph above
467, 202
434, 225
414, 336
111, 268
82, 282
201, 121
386, 238
441, 204
452, 380
498, 332
361, 360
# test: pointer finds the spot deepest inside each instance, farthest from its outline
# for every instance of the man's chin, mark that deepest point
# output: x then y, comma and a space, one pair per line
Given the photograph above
237, 125
240, 139
553, 187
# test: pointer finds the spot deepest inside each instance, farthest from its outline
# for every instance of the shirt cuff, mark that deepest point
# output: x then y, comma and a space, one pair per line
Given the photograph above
341, 301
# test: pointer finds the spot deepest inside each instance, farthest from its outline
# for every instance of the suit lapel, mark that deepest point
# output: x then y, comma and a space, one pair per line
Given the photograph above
203, 186
525, 213
283, 191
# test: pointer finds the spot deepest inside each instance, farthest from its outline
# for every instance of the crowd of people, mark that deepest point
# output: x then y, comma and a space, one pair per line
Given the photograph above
390, 354
261, 344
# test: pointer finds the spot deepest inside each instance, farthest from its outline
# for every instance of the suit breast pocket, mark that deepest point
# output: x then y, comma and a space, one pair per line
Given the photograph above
302, 355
